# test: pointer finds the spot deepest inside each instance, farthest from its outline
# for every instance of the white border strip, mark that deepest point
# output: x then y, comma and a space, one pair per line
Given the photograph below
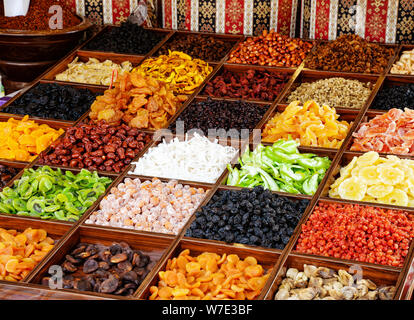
174, 14
312, 20
80, 7
392, 14
194, 15
248, 17
107, 12
293, 18
274, 9
333, 19
220, 15
361, 16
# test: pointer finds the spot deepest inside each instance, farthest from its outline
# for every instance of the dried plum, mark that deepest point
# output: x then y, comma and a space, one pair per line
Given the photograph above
90, 266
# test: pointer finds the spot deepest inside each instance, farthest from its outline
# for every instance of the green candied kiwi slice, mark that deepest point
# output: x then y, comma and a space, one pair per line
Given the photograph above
51, 194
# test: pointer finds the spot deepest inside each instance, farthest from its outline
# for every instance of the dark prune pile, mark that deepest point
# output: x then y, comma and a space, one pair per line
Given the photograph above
253, 84
6, 174
399, 97
117, 269
128, 38
249, 216
220, 114
49, 100
204, 47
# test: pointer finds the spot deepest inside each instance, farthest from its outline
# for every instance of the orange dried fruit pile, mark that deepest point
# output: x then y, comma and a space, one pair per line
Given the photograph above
210, 276
20, 252
24, 139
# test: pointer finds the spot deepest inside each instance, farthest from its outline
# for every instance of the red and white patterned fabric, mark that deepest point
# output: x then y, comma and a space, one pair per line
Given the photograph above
231, 16
389, 21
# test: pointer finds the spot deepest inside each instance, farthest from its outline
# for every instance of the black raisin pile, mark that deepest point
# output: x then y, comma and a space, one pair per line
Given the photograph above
399, 97
128, 38
221, 114
249, 216
50, 100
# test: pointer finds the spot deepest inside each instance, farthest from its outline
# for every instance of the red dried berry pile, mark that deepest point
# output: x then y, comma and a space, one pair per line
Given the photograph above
97, 146
253, 84
360, 233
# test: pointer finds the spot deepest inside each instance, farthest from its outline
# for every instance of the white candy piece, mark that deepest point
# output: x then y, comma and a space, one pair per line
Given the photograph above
405, 65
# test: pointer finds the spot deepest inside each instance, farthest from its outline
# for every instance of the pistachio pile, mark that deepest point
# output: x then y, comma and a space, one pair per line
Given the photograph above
320, 283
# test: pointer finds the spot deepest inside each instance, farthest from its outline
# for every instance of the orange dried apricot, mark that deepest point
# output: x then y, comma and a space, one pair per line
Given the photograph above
209, 276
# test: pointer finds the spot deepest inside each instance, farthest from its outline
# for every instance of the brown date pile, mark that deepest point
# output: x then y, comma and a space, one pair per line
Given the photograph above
204, 47
350, 53
271, 49
117, 269
6, 174
96, 146
253, 84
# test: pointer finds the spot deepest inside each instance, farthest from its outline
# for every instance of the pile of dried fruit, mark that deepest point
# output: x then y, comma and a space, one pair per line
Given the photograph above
405, 65
96, 146
361, 233
221, 114
210, 276
153, 206
50, 194
250, 216
93, 71
24, 140
249, 85
183, 73
280, 167
271, 49
127, 38
334, 92
195, 159
310, 124
6, 174
395, 97
321, 283
350, 53
204, 47
372, 178
140, 101
20, 252
117, 269
50, 100
391, 132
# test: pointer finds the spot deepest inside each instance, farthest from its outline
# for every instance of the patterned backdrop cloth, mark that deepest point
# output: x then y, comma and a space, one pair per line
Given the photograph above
389, 21
231, 16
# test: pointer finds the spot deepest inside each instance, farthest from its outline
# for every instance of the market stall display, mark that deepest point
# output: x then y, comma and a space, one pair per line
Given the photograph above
276, 207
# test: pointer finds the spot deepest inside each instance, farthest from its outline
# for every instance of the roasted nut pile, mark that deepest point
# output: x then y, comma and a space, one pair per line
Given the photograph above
128, 38
310, 124
153, 206
139, 101
182, 72
96, 146
405, 65
93, 71
117, 269
271, 49
394, 97
50, 100
20, 252
390, 132
6, 174
361, 233
321, 283
372, 178
221, 114
252, 84
334, 92
210, 276
50, 194
350, 53
204, 47
23, 140
254, 217
195, 159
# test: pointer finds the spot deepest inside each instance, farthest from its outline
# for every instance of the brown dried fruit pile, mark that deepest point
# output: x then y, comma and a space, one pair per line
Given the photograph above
117, 269
350, 53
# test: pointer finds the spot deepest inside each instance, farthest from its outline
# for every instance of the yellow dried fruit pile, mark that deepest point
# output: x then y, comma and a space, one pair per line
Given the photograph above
209, 276
372, 178
20, 252
182, 72
23, 140
310, 124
